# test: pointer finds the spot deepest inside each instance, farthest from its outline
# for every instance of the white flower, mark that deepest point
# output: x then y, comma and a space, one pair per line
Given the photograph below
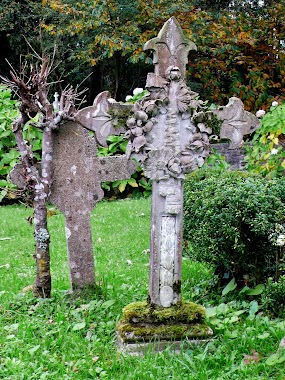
137, 91
274, 151
128, 98
280, 240
274, 104
260, 113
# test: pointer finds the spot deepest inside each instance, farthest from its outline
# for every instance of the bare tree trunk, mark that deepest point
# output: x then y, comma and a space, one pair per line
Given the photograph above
38, 175
39, 183
42, 285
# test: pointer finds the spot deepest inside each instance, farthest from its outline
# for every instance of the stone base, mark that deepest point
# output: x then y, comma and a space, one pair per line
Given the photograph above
147, 327
154, 346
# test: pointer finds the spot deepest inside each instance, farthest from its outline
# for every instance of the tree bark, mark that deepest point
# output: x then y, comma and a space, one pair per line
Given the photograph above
42, 285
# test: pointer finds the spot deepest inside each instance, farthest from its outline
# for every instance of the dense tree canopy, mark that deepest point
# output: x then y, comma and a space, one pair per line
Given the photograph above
240, 43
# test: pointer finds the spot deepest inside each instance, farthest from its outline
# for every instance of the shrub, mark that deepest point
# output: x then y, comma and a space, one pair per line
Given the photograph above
266, 154
8, 151
137, 186
9, 154
273, 297
229, 221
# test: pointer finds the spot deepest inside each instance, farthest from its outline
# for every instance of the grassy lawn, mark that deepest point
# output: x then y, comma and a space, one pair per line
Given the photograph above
74, 338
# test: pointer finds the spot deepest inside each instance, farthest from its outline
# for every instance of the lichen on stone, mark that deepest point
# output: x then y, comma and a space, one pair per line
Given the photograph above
119, 115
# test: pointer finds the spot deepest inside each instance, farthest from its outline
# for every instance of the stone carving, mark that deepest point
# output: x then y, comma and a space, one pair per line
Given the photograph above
162, 133
168, 251
236, 122
106, 117
170, 48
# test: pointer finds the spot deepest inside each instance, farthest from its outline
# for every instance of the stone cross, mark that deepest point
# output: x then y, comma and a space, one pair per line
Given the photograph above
76, 181
75, 190
169, 138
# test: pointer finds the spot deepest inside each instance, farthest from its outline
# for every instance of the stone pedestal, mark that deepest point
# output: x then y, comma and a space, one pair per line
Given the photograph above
146, 327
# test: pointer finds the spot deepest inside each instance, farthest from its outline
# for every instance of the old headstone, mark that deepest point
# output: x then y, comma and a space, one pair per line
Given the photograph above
75, 190
76, 181
168, 137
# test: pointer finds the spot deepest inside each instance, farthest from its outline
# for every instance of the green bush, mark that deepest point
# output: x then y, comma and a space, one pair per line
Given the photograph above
230, 221
8, 152
273, 297
266, 154
137, 186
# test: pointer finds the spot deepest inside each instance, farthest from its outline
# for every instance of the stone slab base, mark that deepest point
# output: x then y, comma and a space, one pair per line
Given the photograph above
141, 348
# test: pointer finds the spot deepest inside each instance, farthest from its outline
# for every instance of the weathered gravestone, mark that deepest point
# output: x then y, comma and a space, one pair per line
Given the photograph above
76, 182
76, 188
169, 138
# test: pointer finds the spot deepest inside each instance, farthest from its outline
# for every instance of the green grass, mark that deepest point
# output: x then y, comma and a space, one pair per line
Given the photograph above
70, 337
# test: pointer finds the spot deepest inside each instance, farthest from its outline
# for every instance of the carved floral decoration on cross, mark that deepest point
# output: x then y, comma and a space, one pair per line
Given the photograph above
161, 161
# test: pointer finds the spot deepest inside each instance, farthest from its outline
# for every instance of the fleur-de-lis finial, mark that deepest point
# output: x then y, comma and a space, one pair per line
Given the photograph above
171, 48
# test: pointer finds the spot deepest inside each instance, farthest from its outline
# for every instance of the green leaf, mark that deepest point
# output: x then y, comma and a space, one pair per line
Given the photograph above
280, 325
275, 359
34, 349
132, 182
263, 336
79, 326
256, 291
211, 312
229, 287
122, 185
232, 334
107, 304
253, 308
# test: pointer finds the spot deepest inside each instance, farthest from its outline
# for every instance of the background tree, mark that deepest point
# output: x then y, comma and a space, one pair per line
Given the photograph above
32, 175
240, 53
240, 43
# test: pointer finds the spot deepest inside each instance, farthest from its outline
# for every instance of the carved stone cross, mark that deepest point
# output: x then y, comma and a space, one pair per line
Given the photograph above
169, 139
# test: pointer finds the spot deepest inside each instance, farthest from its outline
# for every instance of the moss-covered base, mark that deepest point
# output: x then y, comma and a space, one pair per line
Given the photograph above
143, 322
